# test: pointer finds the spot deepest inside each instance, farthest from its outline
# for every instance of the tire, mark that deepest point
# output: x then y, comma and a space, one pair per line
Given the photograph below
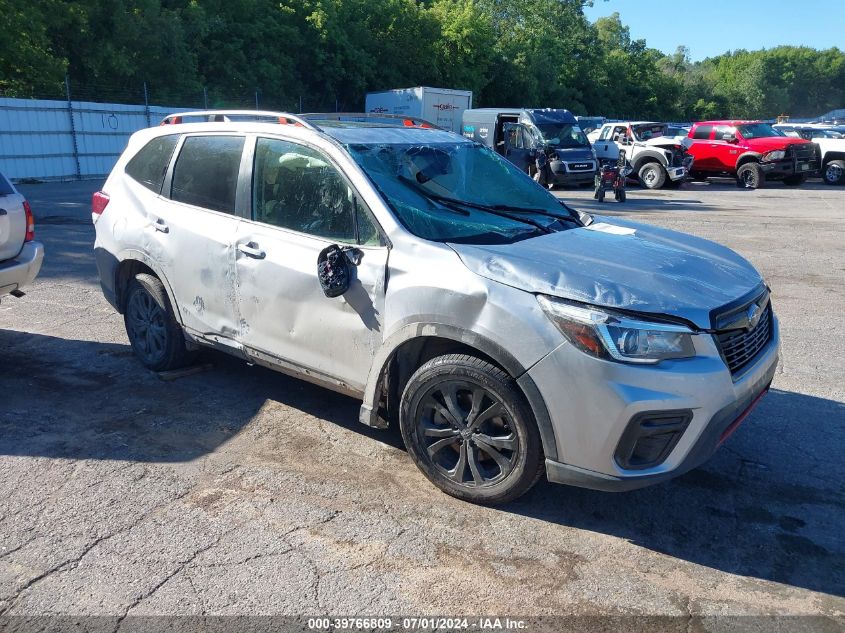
600, 195
154, 334
750, 176
795, 180
450, 409
620, 195
833, 172
652, 175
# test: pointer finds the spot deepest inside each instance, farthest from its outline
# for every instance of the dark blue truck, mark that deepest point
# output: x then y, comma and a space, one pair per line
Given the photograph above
521, 135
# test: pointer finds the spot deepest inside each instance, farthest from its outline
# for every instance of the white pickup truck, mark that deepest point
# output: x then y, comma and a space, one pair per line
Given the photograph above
20, 254
831, 142
655, 158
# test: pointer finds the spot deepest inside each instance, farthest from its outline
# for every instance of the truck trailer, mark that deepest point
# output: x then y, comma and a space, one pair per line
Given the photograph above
441, 106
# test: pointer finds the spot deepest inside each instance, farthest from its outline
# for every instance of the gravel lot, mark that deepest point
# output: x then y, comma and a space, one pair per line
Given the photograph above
242, 491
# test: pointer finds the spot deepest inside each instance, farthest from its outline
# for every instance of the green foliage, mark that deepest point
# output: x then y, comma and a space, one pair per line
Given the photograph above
331, 52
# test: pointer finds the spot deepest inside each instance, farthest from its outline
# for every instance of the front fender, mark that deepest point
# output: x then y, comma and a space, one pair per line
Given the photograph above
368, 414
648, 156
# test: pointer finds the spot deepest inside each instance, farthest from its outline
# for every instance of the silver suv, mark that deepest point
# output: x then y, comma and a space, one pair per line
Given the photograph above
506, 333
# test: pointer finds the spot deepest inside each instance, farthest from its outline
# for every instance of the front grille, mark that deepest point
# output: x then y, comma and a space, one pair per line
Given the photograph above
678, 156
740, 347
803, 152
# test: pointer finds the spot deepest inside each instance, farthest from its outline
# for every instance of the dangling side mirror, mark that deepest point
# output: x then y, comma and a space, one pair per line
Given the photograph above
334, 268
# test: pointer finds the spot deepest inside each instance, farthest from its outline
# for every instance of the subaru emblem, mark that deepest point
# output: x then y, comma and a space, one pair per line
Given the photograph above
753, 315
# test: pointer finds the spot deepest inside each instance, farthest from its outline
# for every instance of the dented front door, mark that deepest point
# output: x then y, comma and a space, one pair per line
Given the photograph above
285, 314
301, 205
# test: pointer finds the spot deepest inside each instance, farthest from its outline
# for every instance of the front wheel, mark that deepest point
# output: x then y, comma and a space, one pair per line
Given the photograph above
834, 172
652, 176
468, 429
750, 176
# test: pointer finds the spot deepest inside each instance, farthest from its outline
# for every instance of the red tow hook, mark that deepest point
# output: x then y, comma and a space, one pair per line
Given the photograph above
733, 425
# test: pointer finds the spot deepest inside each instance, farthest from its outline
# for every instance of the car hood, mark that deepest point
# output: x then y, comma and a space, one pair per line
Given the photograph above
768, 143
668, 141
619, 264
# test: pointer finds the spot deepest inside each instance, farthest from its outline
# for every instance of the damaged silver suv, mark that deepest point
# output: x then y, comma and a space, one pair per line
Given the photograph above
507, 334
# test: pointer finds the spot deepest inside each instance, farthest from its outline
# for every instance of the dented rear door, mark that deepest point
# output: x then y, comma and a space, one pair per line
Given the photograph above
194, 232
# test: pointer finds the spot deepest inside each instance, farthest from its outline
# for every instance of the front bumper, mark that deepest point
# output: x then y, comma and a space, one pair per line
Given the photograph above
591, 403
19, 272
573, 172
779, 169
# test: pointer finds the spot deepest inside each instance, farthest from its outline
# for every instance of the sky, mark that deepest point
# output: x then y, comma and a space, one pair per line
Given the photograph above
712, 27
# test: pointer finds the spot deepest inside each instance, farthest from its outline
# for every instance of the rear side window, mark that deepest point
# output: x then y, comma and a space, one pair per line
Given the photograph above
722, 131
5, 187
150, 164
206, 172
702, 132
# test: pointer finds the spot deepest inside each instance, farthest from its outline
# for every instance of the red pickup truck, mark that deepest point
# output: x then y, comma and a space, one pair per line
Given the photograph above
751, 151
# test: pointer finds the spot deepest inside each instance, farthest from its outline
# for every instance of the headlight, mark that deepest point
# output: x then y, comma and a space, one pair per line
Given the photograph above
777, 154
603, 334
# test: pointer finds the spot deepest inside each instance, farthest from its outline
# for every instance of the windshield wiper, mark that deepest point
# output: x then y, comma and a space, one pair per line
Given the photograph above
548, 214
455, 204
431, 196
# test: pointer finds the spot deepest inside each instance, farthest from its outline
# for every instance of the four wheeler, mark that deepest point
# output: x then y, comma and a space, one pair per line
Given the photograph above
611, 177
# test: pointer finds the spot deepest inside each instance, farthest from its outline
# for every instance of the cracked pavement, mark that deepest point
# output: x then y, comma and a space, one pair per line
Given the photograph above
240, 491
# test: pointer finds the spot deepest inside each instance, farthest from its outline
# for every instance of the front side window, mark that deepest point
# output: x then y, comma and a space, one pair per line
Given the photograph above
206, 172
459, 192
723, 131
149, 165
297, 188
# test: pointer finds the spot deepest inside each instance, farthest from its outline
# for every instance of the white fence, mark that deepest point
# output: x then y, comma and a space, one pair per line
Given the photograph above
66, 140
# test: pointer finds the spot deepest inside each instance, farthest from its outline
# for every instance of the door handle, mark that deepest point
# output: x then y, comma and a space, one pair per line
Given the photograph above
161, 225
251, 250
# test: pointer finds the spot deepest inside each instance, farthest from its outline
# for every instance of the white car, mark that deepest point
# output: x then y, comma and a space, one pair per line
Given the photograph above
831, 144
431, 278
20, 254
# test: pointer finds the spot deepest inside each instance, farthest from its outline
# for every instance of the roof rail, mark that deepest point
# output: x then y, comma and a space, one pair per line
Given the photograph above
283, 118
407, 121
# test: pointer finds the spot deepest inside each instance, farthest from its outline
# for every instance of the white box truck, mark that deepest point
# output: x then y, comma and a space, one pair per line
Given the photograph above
441, 106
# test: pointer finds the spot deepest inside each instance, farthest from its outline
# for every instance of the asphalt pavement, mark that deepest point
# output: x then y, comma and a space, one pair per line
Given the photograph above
241, 491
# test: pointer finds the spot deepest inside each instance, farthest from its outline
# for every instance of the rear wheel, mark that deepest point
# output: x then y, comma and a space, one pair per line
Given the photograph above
750, 176
794, 181
834, 172
600, 195
154, 334
652, 175
620, 195
468, 429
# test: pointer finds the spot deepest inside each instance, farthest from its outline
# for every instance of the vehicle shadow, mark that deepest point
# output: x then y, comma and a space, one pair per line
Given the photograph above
78, 399
769, 505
